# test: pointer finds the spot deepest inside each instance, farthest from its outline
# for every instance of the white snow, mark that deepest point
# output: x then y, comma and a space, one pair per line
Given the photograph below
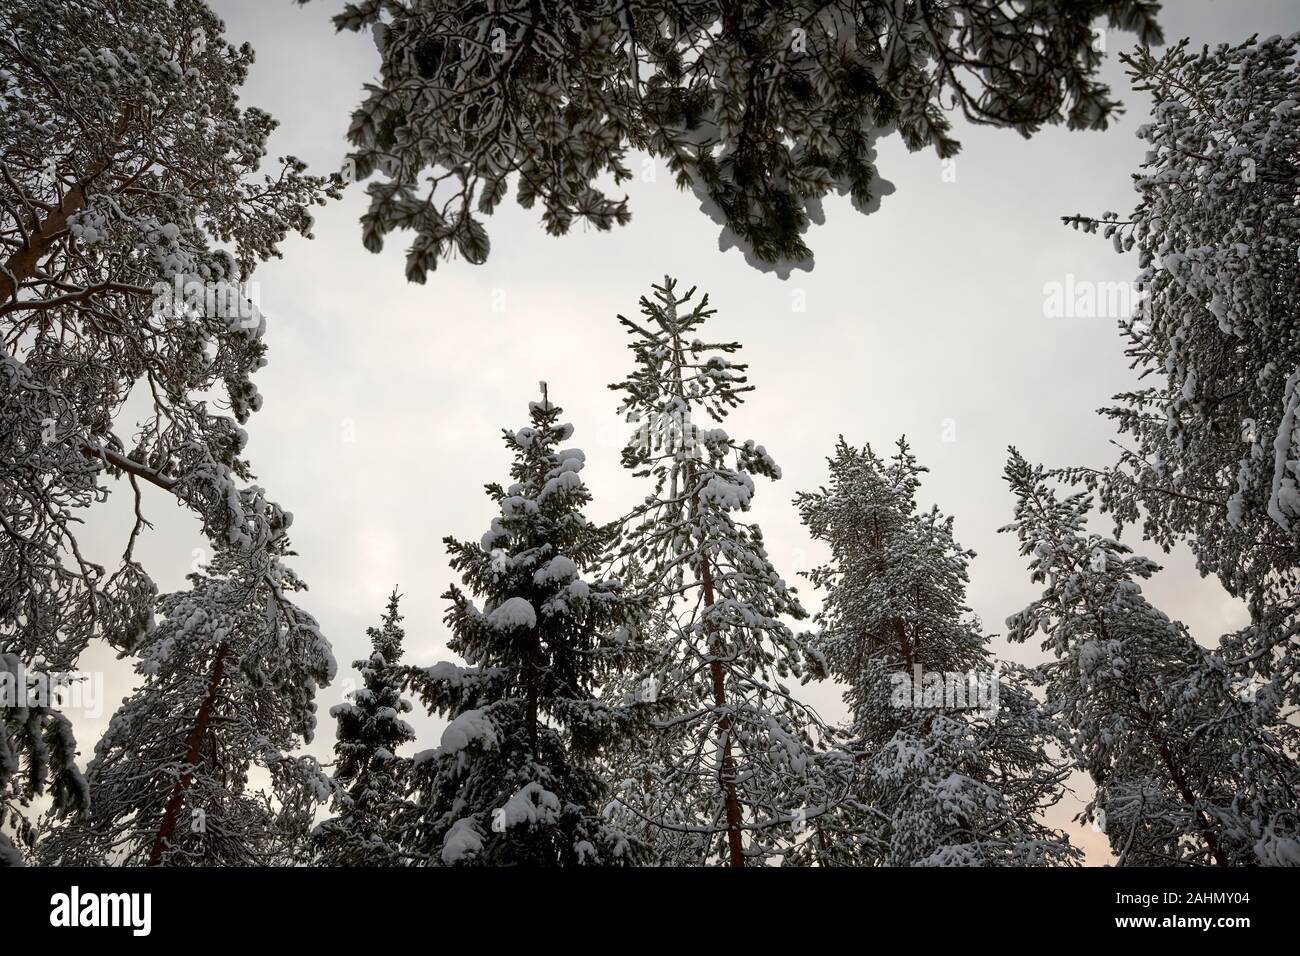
559, 568
494, 536
731, 491
514, 613
473, 726
464, 839
1284, 499
531, 803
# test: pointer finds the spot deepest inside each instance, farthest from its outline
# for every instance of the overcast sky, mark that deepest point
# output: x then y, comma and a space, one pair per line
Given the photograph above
383, 401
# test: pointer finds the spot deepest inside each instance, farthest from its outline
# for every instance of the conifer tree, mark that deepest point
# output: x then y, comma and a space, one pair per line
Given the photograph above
957, 758
38, 757
1187, 766
1210, 448
230, 675
732, 770
514, 780
134, 208
132, 218
369, 777
762, 110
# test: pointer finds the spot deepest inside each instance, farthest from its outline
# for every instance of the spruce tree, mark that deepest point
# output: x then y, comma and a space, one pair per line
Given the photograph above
369, 777
230, 675
514, 780
956, 756
1186, 765
732, 770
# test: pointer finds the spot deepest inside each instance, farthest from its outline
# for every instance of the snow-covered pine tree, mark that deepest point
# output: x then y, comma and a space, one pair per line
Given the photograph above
131, 213
229, 682
38, 757
1186, 765
761, 109
1214, 455
961, 779
513, 781
369, 777
731, 774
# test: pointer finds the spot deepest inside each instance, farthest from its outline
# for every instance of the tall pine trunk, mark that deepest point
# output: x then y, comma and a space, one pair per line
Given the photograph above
171, 813
734, 845
1181, 783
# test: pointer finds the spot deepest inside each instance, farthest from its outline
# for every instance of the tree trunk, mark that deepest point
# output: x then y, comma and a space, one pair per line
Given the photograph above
734, 843
531, 718
904, 644
171, 813
22, 264
735, 846
1176, 775
1189, 798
